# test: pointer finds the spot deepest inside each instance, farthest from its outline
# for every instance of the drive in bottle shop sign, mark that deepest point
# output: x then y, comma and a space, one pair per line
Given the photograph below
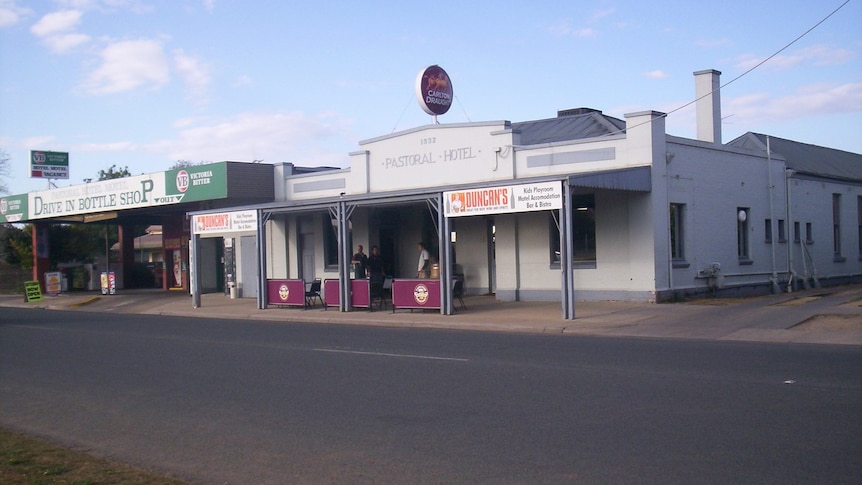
203, 182
49, 165
434, 90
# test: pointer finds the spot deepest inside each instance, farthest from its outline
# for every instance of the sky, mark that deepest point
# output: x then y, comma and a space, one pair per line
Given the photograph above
145, 83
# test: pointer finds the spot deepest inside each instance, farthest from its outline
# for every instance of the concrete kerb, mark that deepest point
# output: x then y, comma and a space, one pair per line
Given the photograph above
801, 317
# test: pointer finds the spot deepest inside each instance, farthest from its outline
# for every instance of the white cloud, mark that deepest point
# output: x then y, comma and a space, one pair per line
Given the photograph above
107, 147
56, 23
561, 28
38, 142
193, 72
270, 136
243, 80
128, 65
807, 101
564, 29
57, 30
656, 74
65, 42
209, 5
600, 14
818, 55
11, 13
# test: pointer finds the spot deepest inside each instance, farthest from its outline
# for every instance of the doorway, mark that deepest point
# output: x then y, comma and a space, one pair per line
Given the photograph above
491, 237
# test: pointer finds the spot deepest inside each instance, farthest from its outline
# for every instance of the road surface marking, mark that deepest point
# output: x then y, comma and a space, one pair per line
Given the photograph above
385, 354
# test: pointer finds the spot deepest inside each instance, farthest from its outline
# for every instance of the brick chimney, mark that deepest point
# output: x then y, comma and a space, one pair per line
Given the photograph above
708, 105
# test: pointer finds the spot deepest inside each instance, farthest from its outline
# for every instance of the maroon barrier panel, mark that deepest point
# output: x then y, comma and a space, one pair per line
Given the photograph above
285, 292
417, 293
331, 295
360, 293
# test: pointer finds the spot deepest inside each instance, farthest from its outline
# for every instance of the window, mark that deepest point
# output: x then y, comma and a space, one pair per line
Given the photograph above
677, 248
768, 230
836, 225
330, 243
742, 226
583, 231
797, 232
809, 233
782, 231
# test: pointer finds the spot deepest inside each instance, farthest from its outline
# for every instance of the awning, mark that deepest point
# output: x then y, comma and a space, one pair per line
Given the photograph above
638, 179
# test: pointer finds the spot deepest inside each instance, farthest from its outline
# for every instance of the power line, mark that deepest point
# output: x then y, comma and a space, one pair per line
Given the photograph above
764, 61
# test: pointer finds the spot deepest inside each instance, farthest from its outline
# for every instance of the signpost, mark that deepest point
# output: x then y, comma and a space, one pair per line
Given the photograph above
49, 165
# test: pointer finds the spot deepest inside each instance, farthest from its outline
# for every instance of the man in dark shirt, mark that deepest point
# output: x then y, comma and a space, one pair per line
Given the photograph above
375, 266
360, 261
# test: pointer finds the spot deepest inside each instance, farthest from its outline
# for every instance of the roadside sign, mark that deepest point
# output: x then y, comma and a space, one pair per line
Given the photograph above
49, 165
109, 283
32, 291
53, 283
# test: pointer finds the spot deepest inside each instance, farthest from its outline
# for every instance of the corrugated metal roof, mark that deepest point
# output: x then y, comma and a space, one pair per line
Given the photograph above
805, 158
575, 124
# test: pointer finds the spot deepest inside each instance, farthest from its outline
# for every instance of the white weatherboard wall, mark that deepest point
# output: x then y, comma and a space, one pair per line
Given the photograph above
713, 182
811, 202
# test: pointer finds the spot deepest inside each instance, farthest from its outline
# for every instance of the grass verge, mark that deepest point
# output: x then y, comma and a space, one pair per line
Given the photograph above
28, 461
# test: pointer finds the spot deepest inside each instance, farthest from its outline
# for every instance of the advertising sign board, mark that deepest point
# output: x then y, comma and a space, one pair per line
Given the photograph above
53, 283
222, 222
32, 291
202, 182
49, 165
500, 200
434, 90
13, 208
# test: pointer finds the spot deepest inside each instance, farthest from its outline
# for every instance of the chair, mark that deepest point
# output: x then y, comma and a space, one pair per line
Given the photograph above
458, 291
312, 292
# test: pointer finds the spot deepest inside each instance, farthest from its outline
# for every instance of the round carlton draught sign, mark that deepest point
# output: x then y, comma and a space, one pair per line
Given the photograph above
434, 90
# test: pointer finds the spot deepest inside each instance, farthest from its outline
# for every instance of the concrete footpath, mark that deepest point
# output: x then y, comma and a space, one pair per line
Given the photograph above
821, 316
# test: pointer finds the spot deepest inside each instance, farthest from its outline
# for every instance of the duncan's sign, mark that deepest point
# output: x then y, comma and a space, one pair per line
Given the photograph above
501, 200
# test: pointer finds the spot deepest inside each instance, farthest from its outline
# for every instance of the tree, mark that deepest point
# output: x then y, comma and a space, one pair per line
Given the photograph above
4, 171
181, 164
17, 246
114, 173
186, 164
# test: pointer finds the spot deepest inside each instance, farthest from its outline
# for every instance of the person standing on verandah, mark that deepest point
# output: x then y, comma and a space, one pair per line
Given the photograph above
360, 261
424, 262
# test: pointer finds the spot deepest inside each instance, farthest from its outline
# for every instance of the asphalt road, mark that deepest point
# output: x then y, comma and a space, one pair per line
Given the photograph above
218, 401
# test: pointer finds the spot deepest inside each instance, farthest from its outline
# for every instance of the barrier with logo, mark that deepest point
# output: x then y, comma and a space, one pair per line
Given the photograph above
416, 293
360, 293
285, 292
